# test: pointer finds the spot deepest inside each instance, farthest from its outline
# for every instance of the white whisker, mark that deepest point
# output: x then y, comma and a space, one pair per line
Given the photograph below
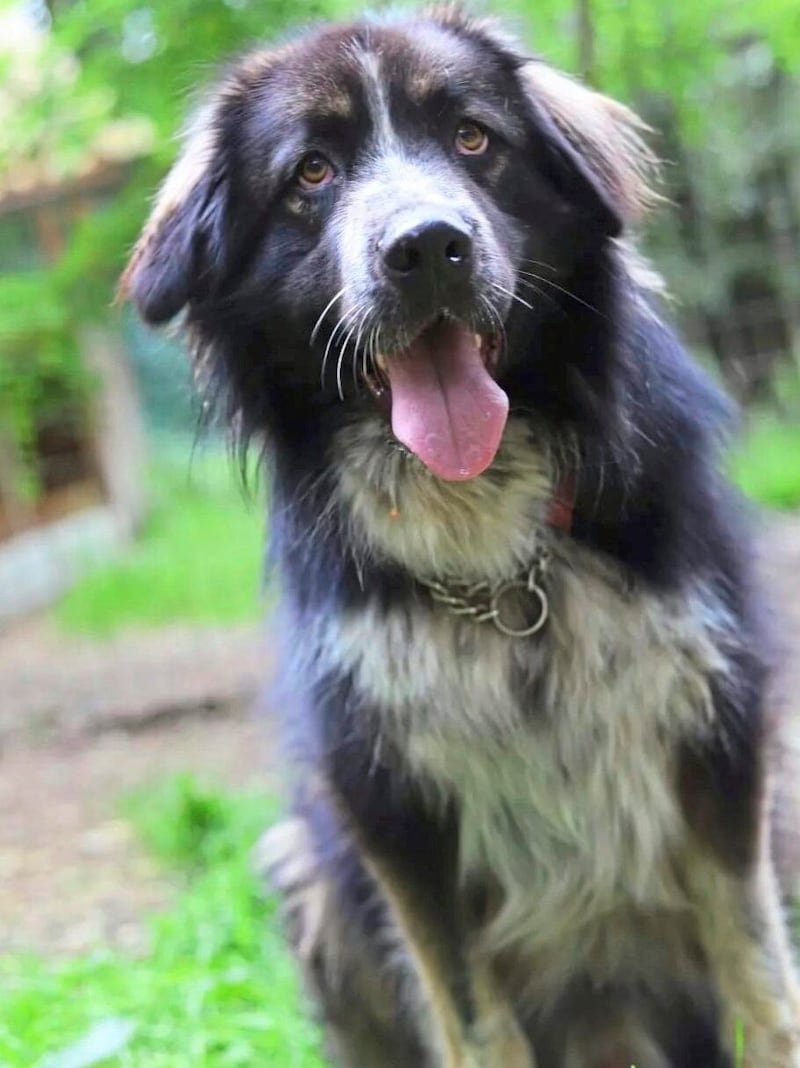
369, 354
539, 292
566, 292
539, 263
340, 323
325, 311
495, 319
353, 317
362, 324
512, 294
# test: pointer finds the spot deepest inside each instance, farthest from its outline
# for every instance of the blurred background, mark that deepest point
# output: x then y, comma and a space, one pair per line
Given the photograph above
134, 775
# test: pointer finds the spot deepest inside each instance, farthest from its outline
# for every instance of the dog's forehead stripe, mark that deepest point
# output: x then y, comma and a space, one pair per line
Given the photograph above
377, 100
390, 62
420, 71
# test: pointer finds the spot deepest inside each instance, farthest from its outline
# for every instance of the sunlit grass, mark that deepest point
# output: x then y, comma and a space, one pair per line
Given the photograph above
767, 464
217, 988
198, 558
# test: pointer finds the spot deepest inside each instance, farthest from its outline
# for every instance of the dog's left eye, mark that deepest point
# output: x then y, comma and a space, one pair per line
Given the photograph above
314, 171
471, 139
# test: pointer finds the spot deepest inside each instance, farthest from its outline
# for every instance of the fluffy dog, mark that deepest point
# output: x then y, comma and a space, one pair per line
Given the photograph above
522, 678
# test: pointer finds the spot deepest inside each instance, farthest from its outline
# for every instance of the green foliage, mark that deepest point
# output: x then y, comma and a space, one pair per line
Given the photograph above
216, 989
40, 369
198, 558
108, 73
718, 78
668, 50
190, 826
766, 467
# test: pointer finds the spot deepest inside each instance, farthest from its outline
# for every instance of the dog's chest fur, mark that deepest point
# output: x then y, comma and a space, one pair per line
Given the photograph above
560, 749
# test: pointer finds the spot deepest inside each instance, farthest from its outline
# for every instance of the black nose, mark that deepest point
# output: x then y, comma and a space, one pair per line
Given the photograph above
432, 247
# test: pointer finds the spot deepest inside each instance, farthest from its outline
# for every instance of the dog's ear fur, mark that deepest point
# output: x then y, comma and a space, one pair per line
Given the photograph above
594, 147
181, 252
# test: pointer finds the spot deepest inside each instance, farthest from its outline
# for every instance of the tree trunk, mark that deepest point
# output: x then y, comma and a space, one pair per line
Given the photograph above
586, 41
15, 512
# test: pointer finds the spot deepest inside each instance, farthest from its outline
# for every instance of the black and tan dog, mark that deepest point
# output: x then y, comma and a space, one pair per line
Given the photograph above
522, 679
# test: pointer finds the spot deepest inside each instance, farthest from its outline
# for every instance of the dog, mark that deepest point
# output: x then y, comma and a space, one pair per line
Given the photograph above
523, 684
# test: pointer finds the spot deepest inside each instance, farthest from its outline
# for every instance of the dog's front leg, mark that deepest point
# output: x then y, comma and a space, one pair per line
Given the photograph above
411, 851
469, 1024
732, 878
497, 1038
744, 936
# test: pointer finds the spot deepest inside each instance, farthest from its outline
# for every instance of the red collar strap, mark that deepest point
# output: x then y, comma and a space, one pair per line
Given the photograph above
562, 504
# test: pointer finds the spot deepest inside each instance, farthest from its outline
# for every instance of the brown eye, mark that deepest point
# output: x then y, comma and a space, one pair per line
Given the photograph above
314, 171
471, 139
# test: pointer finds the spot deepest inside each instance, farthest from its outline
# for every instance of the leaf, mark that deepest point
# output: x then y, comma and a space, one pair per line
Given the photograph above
101, 1042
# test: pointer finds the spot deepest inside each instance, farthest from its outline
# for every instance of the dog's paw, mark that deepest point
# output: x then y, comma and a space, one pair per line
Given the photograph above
783, 1052
614, 1051
284, 857
499, 1042
285, 860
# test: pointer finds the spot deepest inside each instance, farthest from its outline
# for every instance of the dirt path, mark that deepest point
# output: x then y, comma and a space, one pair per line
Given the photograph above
54, 686
97, 721
780, 562
71, 874
81, 723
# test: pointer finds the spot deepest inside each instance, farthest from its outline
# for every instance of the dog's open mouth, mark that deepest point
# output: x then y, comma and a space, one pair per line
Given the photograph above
446, 407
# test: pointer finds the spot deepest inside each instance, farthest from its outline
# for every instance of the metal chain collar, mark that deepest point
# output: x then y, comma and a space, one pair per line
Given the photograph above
483, 603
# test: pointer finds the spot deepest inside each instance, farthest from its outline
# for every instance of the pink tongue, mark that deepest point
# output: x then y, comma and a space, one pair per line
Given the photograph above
446, 407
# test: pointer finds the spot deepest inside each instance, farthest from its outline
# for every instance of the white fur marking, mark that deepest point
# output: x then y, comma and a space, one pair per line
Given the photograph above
377, 103
560, 750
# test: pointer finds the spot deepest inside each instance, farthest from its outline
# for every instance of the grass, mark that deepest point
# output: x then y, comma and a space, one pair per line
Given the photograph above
767, 466
198, 558
217, 988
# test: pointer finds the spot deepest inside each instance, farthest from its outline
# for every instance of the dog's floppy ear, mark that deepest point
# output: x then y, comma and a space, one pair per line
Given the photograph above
591, 147
181, 252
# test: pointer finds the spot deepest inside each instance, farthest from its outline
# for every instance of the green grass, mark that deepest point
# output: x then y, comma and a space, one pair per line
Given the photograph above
217, 988
198, 558
767, 466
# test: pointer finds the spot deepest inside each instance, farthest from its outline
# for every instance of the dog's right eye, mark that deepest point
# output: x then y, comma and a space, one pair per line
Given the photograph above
314, 171
471, 138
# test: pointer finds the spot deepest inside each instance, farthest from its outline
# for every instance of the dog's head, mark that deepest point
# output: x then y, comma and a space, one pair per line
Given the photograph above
385, 205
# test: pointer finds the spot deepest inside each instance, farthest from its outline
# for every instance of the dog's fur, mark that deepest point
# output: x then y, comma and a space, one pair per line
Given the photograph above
556, 850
